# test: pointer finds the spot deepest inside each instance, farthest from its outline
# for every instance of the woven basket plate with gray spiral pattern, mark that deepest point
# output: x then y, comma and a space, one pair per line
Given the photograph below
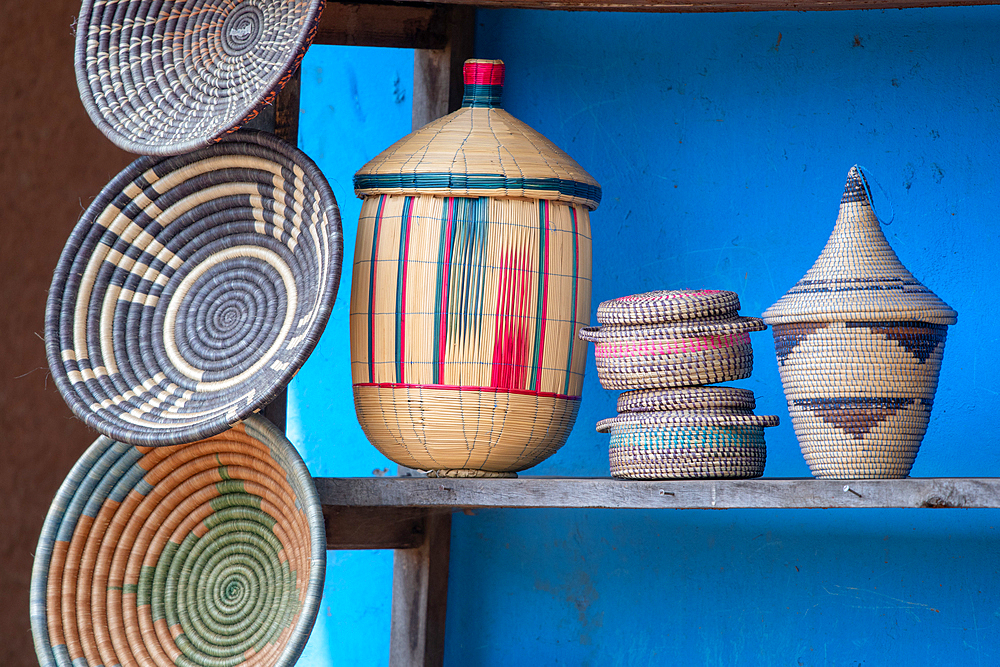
163, 78
193, 288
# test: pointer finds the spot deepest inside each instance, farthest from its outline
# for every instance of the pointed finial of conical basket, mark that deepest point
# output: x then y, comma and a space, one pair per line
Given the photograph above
858, 275
483, 83
856, 210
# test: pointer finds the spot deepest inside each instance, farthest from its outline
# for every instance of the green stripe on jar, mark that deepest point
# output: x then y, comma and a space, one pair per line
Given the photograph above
486, 182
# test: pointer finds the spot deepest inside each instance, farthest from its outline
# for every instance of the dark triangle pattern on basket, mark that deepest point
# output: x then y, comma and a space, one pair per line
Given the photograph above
788, 336
856, 416
879, 351
920, 339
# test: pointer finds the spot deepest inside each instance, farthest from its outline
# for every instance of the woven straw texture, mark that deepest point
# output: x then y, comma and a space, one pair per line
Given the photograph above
709, 399
687, 418
669, 306
469, 429
206, 554
453, 297
715, 328
686, 452
858, 277
694, 432
662, 347
464, 309
654, 363
192, 289
164, 78
859, 345
479, 150
672, 338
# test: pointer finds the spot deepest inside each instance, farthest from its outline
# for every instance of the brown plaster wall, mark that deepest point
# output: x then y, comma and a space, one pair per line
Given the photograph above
53, 161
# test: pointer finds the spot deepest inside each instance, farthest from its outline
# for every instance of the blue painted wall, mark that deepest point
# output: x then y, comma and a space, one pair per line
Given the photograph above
355, 102
722, 142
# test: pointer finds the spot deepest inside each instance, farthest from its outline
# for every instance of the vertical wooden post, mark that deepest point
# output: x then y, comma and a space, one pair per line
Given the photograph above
437, 73
420, 576
420, 597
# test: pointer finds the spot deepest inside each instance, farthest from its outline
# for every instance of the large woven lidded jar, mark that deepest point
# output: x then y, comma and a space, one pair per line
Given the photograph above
859, 343
472, 276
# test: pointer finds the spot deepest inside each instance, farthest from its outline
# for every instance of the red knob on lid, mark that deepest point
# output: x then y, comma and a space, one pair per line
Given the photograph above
483, 72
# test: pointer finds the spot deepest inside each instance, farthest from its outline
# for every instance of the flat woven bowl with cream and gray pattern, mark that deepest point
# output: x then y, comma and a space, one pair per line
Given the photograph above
164, 78
193, 288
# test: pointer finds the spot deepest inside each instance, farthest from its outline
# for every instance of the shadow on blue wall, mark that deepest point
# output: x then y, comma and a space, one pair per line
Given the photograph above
722, 142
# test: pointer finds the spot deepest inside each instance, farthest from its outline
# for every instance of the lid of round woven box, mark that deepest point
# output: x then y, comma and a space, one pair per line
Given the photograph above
192, 289
610, 333
654, 420
210, 553
687, 398
858, 277
669, 306
164, 78
479, 150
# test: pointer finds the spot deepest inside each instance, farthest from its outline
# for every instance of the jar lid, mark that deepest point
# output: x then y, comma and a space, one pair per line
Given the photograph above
478, 151
858, 276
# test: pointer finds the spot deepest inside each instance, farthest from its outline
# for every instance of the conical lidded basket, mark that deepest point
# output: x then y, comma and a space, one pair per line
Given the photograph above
859, 343
471, 278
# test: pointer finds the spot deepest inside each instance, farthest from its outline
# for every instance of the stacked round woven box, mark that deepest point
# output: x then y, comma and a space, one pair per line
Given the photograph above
859, 343
677, 338
687, 432
472, 273
663, 346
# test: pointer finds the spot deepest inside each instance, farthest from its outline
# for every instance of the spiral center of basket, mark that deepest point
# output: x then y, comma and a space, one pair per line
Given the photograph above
233, 592
228, 317
242, 29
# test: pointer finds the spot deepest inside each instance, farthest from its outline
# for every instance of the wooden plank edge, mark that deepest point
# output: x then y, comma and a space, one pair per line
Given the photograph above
378, 527
605, 493
366, 32
400, 25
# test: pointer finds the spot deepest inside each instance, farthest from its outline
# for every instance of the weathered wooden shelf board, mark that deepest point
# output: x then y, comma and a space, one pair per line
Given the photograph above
395, 24
555, 492
413, 25
715, 5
